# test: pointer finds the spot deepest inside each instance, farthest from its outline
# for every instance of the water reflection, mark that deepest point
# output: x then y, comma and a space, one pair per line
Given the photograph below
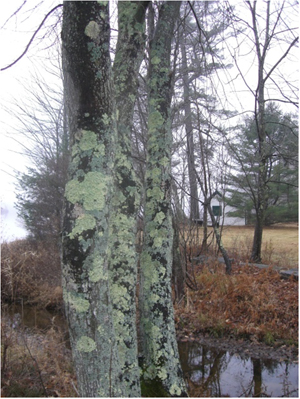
215, 373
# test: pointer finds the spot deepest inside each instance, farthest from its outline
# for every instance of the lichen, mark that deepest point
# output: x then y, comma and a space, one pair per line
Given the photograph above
156, 120
88, 140
85, 344
160, 216
162, 374
175, 390
97, 271
120, 294
83, 223
92, 30
155, 60
91, 191
77, 302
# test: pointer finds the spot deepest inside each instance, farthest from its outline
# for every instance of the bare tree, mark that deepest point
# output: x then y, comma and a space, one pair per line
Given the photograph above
268, 28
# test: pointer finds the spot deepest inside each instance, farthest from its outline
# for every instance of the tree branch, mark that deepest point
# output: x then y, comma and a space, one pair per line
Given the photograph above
281, 58
32, 38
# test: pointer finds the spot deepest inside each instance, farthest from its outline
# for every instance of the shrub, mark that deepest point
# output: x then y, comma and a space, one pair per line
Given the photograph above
30, 272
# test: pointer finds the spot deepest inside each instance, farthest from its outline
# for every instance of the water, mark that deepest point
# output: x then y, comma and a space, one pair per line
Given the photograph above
32, 317
215, 373
210, 372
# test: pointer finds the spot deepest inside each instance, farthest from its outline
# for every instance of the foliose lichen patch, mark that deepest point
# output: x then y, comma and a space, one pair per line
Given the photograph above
82, 223
92, 30
77, 302
85, 344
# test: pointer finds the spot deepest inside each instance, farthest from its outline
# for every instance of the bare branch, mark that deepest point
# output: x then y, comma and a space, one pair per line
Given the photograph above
32, 38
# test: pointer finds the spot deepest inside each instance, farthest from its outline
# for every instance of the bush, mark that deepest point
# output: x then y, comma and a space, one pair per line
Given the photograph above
31, 273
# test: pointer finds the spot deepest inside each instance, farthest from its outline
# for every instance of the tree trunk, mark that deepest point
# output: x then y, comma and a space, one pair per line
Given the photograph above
261, 133
194, 197
257, 239
219, 240
88, 195
123, 259
161, 366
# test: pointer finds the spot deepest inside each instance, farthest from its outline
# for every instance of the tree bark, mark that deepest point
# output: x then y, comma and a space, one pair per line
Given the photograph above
123, 259
88, 195
161, 366
194, 197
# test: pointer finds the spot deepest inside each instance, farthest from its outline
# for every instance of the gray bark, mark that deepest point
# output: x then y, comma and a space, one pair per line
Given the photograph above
161, 365
87, 295
123, 259
194, 197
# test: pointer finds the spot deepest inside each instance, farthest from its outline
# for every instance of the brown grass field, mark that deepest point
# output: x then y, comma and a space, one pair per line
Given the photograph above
280, 244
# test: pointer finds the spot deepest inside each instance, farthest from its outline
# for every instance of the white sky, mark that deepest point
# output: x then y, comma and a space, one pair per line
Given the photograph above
14, 36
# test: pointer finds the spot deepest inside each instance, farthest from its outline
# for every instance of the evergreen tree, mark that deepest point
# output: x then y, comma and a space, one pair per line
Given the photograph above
281, 147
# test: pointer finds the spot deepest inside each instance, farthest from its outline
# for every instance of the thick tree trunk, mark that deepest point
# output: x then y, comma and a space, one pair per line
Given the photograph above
123, 260
161, 367
87, 82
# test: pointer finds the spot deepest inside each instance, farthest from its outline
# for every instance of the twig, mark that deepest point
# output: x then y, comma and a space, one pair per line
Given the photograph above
32, 38
37, 367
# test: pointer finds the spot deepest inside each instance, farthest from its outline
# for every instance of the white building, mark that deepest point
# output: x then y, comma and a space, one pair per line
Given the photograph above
221, 211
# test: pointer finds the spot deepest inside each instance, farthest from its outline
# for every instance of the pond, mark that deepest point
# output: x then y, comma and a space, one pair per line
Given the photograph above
217, 373
210, 372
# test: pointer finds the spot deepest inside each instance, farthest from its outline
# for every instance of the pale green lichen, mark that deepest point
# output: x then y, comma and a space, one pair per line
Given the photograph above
175, 390
156, 120
97, 271
88, 140
106, 119
83, 223
155, 193
85, 344
92, 30
120, 295
91, 191
100, 150
101, 330
155, 60
160, 216
162, 374
77, 302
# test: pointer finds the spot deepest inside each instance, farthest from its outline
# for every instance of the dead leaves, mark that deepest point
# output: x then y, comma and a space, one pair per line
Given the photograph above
251, 303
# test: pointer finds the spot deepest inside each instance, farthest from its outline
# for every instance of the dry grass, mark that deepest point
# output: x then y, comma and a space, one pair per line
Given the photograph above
279, 248
280, 243
31, 272
251, 303
35, 363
